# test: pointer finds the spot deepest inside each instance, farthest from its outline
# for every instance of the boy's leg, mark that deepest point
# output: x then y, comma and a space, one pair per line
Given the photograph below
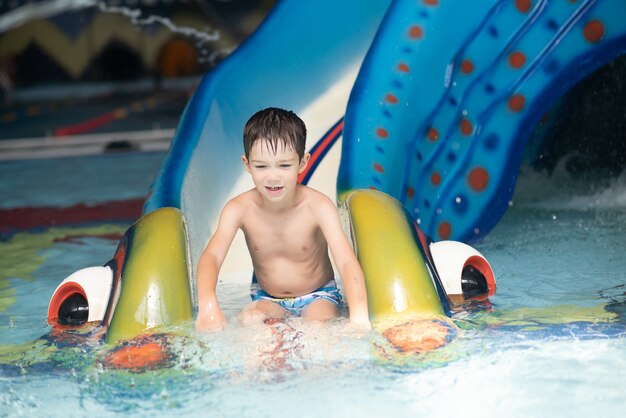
260, 310
320, 310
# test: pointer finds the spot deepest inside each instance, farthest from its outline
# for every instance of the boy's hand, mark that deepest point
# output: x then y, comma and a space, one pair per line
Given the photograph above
360, 323
210, 319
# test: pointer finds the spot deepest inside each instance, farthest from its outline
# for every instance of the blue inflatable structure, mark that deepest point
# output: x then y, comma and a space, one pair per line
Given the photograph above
450, 92
434, 101
442, 98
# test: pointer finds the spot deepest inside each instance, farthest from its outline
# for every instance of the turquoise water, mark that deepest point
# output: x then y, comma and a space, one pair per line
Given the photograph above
553, 345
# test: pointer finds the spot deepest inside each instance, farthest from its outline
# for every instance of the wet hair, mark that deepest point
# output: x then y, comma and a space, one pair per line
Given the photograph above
277, 127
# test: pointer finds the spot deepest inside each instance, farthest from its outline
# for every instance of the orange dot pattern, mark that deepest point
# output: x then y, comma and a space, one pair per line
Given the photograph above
444, 230
478, 179
523, 5
391, 98
470, 70
593, 31
416, 32
467, 66
517, 59
466, 127
516, 103
433, 134
435, 179
403, 67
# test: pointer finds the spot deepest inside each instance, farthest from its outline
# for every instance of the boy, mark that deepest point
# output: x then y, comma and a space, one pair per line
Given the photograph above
288, 229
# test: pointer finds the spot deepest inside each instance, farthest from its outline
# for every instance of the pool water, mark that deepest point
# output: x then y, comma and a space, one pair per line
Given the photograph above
553, 344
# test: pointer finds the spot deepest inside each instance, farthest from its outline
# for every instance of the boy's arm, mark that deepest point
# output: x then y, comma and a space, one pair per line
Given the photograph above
346, 262
210, 316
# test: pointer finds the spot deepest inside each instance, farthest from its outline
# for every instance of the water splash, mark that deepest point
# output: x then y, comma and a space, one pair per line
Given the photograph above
50, 8
560, 190
135, 16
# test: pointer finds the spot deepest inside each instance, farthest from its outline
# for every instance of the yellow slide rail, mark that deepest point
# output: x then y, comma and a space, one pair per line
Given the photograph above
398, 276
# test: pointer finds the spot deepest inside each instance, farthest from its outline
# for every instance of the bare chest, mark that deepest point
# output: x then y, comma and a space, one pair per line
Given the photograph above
283, 236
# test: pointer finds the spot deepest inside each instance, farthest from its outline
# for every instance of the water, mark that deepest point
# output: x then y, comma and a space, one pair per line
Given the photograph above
549, 347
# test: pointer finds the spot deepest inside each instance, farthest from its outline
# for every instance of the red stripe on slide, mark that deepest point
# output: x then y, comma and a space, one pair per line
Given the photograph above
324, 143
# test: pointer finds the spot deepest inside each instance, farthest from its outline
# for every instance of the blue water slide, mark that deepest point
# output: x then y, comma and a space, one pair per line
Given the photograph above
446, 95
450, 91
293, 58
439, 114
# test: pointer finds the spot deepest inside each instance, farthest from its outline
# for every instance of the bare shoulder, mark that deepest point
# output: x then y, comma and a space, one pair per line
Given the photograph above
318, 201
327, 218
236, 207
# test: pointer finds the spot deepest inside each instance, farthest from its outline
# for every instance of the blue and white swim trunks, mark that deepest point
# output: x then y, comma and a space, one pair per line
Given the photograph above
295, 305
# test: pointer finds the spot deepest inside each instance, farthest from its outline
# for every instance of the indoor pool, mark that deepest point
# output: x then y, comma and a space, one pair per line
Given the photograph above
553, 344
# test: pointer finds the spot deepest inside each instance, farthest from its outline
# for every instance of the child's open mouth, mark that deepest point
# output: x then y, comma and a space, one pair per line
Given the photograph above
273, 189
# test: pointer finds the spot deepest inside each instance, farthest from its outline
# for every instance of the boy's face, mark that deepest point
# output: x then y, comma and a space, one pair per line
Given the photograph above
274, 175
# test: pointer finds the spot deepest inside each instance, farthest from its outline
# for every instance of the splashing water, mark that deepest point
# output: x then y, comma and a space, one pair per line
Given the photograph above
548, 346
46, 9
562, 191
135, 16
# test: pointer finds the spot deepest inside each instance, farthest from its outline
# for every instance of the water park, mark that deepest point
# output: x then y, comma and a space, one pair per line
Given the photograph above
475, 153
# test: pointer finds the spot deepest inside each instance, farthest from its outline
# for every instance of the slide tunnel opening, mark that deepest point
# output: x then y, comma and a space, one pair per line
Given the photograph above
585, 130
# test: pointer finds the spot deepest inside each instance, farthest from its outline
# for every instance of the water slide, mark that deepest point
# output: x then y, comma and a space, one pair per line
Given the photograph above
304, 57
438, 97
449, 94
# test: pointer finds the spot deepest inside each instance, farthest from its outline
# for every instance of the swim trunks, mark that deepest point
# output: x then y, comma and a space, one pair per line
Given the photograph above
295, 305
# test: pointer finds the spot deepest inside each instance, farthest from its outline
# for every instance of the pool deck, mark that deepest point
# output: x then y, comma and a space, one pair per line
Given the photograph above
78, 145
62, 121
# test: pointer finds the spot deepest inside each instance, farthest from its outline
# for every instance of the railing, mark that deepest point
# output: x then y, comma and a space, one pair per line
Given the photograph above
77, 145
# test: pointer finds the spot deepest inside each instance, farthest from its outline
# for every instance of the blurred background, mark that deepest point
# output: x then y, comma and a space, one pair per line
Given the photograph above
80, 76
